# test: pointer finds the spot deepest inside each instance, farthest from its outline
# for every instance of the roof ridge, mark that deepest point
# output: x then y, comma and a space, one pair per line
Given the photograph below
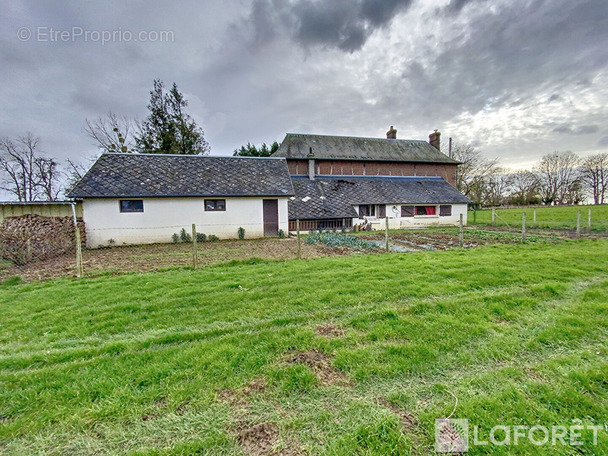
137, 154
355, 137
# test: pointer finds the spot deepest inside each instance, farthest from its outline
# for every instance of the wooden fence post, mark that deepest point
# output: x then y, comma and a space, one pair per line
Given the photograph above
493, 216
79, 268
474, 216
578, 224
299, 239
386, 234
194, 247
523, 227
589, 220
534, 218
460, 231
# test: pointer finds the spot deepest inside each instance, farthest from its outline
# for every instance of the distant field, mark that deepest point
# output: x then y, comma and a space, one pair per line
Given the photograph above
354, 355
546, 217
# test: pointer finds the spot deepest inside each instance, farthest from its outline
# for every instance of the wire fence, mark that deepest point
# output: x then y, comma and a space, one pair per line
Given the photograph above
35, 247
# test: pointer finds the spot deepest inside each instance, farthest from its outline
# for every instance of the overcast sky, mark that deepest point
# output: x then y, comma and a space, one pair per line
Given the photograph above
515, 78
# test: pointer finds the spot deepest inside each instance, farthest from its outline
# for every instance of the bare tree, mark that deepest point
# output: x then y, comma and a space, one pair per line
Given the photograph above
594, 171
523, 187
111, 133
26, 173
471, 178
76, 171
560, 181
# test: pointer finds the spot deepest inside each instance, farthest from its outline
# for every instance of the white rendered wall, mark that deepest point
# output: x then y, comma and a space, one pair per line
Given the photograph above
164, 216
395, 220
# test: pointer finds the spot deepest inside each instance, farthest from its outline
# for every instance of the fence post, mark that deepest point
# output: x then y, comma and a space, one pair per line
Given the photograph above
460, 231
194, 247
589, 220
474, 216
386, 233
79, 268
493, 216
578, 224
523, 227
534, 218
299, 239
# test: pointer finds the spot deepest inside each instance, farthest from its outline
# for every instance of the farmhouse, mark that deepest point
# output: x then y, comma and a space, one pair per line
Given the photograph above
343, 181
146, 198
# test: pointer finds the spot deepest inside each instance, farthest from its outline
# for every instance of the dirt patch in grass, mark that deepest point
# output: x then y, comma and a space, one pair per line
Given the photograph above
240, 396
329, 330
409, 422
257, 440
531, 373
320, 363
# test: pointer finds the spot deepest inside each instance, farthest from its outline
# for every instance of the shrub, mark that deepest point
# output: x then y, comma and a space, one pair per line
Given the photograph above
241, 233
201, 237
213, 238
185, 236
175, 237
281, 234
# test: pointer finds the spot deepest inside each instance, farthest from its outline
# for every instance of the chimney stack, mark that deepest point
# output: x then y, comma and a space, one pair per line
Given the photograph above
311, 164
434, 140
391, 134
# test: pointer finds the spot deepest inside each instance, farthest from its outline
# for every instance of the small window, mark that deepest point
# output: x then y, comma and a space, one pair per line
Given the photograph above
426, 210
367, 210
407, 211
131, 205
215, 205
445, 210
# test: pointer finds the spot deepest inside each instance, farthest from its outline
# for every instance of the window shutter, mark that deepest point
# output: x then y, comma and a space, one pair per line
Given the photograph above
382, 211
407, 211
445, 210
363, 211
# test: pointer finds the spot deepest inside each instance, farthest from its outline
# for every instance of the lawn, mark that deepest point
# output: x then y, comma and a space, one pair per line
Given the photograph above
353, 355
546, 217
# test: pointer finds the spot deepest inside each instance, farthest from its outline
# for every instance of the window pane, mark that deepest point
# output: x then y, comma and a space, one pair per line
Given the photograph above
131, 205
445, 210
215, 205
431, 210
363, 212
407, 211
382, 210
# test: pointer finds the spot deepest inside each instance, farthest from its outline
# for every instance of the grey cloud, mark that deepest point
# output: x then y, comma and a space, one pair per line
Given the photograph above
340, 24
582, 130
603, 142
456, 6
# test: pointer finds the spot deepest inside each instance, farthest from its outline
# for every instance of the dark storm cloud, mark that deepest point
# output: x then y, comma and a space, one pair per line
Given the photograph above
511, 53
456, 6
341, 24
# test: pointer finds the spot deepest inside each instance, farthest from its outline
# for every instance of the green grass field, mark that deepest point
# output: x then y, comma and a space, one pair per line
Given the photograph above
352, 355
546, 217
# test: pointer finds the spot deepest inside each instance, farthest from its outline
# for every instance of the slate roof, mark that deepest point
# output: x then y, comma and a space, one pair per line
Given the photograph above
335, 196
158, 175
352, 148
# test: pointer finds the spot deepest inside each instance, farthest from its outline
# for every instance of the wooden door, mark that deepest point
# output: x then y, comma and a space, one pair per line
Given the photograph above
271, 217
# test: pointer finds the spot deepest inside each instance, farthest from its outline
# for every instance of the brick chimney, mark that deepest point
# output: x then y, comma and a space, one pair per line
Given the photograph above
391, 134
434, 140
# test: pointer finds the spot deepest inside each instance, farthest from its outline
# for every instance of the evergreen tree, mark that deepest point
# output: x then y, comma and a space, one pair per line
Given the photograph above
252, 151
168, 129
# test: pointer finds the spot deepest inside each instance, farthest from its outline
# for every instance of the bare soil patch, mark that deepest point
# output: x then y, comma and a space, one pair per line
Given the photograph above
320, 363
329, 330
408, 420
258, 440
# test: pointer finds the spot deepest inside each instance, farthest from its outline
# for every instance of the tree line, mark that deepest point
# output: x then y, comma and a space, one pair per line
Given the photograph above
559, 178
